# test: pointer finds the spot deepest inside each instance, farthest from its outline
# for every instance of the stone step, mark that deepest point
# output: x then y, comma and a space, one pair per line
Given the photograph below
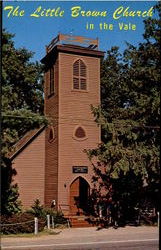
77, 221
80, 225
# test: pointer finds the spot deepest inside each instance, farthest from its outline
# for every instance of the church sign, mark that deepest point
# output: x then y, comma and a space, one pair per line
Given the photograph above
80, 170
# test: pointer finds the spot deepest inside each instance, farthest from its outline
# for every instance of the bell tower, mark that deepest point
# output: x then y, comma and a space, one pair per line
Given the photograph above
72, 85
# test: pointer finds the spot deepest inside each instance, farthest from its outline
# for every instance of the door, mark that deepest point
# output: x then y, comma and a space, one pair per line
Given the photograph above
79, 194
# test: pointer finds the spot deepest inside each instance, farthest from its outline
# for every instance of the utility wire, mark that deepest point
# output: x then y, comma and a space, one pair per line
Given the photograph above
79, 119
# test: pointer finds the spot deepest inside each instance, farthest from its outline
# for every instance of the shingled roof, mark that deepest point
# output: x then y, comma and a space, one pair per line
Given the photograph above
24, 141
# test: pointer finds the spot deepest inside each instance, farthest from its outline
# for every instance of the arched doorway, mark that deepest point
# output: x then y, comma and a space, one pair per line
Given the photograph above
79, 194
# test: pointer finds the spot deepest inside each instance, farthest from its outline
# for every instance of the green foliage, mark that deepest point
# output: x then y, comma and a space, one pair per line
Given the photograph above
21, 88
25, 219
9, 193
25, 224
21, 79
129, 117
22, 108
40, 211
37, 209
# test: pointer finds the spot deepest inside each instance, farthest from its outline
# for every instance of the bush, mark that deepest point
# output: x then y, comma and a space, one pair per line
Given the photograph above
37, 210
23, 227
58, 216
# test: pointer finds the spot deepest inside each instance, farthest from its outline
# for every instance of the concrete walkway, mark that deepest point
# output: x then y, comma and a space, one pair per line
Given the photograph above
92, 234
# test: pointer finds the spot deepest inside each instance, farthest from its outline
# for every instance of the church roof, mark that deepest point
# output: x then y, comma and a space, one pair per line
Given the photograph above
24, 141
73, 45
71, 49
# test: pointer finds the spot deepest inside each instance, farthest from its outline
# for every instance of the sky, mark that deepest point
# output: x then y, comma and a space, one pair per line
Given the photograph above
34, 33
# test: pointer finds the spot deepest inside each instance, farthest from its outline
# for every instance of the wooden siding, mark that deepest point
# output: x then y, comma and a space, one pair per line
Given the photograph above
44, 167
51, 148
29, 165
74, 110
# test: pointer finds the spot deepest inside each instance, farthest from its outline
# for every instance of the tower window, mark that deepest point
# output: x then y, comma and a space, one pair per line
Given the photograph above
51, 135
79, 133
79, 75
51, 87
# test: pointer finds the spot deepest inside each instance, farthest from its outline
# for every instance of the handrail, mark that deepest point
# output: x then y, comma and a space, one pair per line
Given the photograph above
92, 43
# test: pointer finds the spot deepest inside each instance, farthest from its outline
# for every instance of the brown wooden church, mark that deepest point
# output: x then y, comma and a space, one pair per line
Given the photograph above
50, 162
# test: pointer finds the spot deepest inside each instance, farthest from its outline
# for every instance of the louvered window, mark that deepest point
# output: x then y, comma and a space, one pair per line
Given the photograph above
76, 83
79, 75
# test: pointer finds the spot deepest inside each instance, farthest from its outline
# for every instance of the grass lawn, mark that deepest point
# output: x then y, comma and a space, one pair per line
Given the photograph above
28, 235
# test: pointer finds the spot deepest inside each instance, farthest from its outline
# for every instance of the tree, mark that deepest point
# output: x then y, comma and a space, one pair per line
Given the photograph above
129, 118
9, 192
21, 88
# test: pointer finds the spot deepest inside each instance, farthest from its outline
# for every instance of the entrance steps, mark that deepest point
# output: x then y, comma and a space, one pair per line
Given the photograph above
79, 221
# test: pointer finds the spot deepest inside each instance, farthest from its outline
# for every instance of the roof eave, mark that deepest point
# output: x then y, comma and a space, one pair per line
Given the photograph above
26, 143
71, 50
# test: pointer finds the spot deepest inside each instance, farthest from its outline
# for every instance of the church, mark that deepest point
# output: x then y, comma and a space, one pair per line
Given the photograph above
50, 161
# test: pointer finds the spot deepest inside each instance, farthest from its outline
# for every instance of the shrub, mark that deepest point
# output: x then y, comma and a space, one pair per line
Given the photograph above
58, 216
38, 210
14, 228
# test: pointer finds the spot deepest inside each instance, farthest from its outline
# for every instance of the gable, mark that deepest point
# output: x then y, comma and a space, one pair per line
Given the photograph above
25, 141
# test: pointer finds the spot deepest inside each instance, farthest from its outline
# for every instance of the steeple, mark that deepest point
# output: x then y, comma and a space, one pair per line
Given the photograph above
72, 84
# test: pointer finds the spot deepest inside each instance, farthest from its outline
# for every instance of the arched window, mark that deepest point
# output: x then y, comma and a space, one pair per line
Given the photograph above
79, 133
51, 81
79, 75
51, 135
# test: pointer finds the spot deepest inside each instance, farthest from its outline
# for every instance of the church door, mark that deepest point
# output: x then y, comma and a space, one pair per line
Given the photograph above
79, 194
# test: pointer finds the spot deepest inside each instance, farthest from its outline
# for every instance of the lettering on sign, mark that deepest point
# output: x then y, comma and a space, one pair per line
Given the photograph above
80, 169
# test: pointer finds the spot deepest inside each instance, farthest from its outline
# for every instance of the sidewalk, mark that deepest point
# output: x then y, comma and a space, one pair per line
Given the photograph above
92, 234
